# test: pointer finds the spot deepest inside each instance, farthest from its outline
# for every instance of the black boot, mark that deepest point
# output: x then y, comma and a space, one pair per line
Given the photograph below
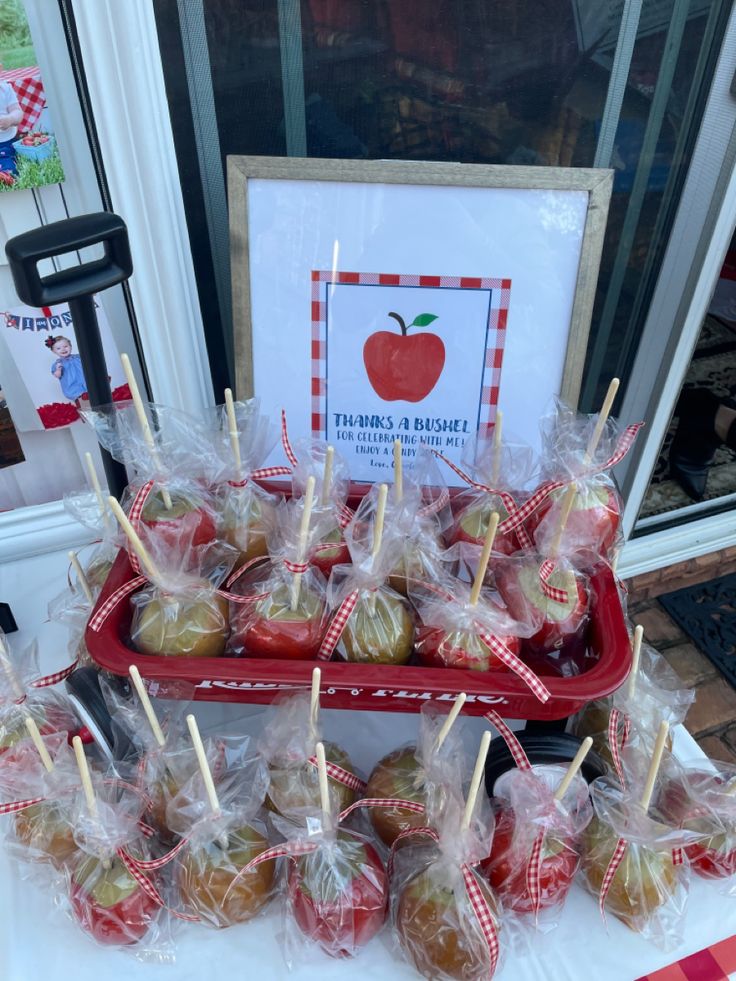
696, 441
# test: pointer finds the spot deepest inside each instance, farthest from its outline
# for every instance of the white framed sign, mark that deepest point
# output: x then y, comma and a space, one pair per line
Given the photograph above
382, 300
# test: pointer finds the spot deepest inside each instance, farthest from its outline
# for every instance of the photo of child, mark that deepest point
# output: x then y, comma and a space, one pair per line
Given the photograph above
11, 115
68, 369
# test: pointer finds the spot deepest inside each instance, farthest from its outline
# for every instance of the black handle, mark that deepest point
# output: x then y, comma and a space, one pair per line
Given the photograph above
76, 286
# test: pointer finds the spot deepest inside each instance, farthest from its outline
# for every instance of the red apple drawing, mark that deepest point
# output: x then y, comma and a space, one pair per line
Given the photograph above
404, 366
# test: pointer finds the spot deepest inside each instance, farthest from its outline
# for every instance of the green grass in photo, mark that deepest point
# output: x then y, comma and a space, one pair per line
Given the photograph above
20, 57
36, 173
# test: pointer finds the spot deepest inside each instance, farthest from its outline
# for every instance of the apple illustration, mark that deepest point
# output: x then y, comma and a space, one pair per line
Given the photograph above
187, 518
437, 927
294, 785
382, 633
209, 883
644, 881
471, 525
558, 865
714, 856
398, 775
43, 829
594, 519
109, 904
186, 625
339, 894
272, 629
404, 366
325, 559
436, 648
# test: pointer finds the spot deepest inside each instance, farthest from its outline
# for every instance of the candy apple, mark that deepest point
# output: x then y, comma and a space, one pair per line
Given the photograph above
109, 904
294, 787
404, 366
272, 629
379, 634
594, 519
438, 934
714, 856
97, 572
471, 525
460, 649
187, 625
211, 887
557, 868
562, 623
43, 829
49, 718
245, 522
398, 775
187, 518
644, 881
325, 558
339, 894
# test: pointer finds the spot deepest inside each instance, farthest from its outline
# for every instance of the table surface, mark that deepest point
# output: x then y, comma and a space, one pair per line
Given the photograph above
578, 949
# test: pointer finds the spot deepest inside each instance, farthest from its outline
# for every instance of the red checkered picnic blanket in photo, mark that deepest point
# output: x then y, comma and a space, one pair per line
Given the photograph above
29, 90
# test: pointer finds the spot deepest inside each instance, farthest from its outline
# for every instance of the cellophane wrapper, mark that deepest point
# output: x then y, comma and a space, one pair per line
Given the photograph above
525, 809
72, 609
418, 772
181, 613
84, 507
699, 796
649, 890
451, 627
43, 833
337, 894
380, 628
104, 897
473, 507
285, 612
207, 873
658, 696
433, 920
559, 646
330, 508
288, 742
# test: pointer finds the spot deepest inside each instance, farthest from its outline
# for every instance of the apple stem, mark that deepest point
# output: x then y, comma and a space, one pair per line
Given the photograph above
135, 542
573, 768
95, 483
81, 578
135, 394
233, 432
485, 556
9, 670
135, 677
449, 721
602, 419
398, 472
646, 797
39, 743
496, 464
303, 536
635, 656
327, 474
480, 763
314, 701
401, 322
324, 790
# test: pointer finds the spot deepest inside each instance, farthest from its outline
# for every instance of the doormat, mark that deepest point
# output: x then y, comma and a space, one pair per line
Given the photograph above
707, 614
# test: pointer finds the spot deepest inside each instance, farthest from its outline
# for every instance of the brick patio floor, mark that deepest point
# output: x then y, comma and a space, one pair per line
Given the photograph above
712, 717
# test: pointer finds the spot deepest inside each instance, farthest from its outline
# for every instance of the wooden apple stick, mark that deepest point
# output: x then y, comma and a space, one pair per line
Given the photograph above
635, 657
567, 502
485, 556
475, 781
327, 475
646, 797
573, 768
378, 523
398, 472
602, 419
96, 487
86, 779
135, 394
314, 700
135, 543
232, 424
324, 790
204, 767
135, 677
497, 434
449, 721
81, 578
9, 670
301, 551
39, 743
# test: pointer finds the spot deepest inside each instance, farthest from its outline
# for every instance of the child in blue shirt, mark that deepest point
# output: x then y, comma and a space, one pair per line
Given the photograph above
67, 368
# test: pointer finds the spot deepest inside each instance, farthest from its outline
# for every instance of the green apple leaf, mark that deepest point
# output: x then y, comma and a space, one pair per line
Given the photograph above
423, 320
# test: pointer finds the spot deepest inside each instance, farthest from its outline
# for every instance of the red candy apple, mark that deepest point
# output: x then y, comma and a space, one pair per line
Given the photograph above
404, 366
714, 857
436, 648
273, 629
109, 904
594, 519
471, 525
186, 519
331, 551
339, 894
562, 623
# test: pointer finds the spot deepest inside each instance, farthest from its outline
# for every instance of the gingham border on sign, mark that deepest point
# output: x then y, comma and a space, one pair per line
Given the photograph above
500, 290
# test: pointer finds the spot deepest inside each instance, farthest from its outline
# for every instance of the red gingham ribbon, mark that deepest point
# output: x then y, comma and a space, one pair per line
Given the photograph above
290, 849
134, 516
533, 872
677, 856
616, 745
482, 914
441, 501
345, 515
404, 805
100, 615
20, 805
47, 680
337, 625
158, 863
134, 868
341, 775
290, 455
551, 592
616, 859
513, 744
145, 829
515, 664
262, 473
296, 567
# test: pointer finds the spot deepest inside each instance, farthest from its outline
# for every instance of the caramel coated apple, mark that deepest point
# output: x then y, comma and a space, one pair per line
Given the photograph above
379, 634
182, 626
294, 788
471, 525
43, 829
246, 520
397, 776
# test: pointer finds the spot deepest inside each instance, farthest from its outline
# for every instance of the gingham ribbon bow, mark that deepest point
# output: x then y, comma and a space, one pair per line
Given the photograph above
337, 625
341, 775
15, 806
515, 664
617, 744
512, 743
266, 473
546, 570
